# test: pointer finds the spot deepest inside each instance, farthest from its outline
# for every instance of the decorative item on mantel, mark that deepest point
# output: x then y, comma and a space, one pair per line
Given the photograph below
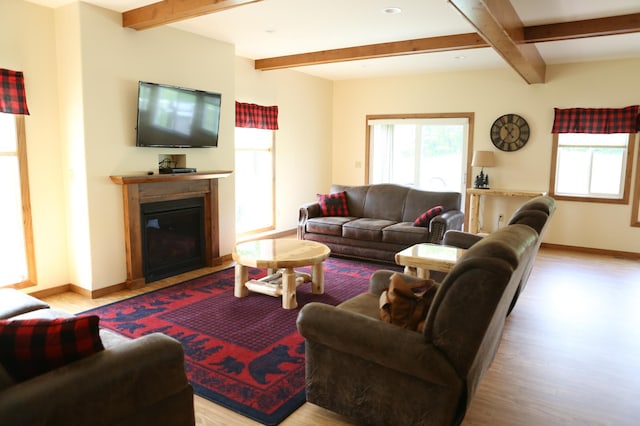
482, 159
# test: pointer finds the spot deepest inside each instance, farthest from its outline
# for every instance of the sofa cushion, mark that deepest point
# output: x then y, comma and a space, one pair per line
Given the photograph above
367, 229
34, 346
405, 233
331, 225
334, 204
14, 302
425, 218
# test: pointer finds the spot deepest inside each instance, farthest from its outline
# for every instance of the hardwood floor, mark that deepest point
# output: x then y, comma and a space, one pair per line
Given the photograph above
570, 354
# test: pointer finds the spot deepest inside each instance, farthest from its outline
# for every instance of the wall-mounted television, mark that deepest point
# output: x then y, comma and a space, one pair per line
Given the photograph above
177, 117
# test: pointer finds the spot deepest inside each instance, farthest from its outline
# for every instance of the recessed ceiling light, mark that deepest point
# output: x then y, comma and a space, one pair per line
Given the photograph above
392, 10
459, 57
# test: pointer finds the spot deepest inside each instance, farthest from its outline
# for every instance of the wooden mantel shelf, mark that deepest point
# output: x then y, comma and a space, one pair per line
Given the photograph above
175, 177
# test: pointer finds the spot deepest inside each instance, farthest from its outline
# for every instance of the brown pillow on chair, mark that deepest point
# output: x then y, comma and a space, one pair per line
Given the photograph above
406, 304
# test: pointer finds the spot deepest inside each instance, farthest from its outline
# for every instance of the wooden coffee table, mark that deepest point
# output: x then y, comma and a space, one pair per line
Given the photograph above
419, 259
279, 257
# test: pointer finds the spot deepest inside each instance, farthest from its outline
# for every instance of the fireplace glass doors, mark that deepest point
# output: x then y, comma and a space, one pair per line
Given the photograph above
172, 237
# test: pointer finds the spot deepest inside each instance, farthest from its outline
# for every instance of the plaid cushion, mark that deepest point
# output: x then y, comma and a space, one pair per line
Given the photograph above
334, 204
34, 346
425, 218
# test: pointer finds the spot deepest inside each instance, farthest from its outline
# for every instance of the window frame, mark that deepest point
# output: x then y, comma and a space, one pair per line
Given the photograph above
469, 116
628, 168
21, 153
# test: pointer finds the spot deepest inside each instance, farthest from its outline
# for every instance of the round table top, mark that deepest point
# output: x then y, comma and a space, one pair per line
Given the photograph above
280, 253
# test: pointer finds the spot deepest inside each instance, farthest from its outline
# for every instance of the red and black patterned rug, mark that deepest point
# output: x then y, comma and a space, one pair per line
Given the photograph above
245, 354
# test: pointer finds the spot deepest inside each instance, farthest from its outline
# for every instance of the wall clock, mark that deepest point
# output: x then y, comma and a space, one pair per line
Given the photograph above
510, 132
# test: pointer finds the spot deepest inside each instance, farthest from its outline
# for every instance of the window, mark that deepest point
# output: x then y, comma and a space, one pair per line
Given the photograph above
255, 192
425, 152
592, 167
17, 260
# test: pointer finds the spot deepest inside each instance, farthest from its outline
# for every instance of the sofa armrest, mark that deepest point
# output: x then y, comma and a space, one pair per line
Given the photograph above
104, 388
452, 219
307, 211
385, 344
460, 239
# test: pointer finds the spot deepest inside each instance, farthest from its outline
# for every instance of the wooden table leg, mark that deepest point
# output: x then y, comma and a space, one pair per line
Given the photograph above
317, 279
423, 273
289, 289
474, 213
410, 270
242, 276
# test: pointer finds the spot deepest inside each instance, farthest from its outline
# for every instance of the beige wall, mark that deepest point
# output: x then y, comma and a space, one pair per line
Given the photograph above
27, 43
489, 94
114, 59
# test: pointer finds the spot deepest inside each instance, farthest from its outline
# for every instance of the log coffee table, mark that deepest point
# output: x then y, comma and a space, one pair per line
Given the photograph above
279, 256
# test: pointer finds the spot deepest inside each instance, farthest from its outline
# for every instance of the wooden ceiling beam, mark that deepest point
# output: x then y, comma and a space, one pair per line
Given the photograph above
613, 25
623, 24
397, 48
168, 11
499, 25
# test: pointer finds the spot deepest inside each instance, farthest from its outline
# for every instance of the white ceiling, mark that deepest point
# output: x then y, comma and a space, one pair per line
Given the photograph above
272, 28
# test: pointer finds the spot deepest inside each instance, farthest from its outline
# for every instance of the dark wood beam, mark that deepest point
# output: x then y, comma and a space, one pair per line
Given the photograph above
168, 11
408, 47
499, 25
612, 25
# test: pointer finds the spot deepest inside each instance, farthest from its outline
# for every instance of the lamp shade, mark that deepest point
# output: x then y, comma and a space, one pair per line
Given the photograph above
483, 159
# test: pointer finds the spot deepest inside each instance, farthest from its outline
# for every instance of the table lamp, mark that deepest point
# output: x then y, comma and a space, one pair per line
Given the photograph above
482, 159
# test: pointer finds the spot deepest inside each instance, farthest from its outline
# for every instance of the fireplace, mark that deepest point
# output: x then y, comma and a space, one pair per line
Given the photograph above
192, 198
172, 237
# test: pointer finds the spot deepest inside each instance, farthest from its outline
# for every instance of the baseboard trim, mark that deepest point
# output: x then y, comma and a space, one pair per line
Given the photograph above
604, 252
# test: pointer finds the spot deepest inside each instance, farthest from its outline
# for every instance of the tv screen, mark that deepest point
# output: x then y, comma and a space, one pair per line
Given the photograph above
177, 117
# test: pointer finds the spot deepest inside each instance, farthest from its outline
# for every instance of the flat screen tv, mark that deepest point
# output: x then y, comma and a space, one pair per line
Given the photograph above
177, 117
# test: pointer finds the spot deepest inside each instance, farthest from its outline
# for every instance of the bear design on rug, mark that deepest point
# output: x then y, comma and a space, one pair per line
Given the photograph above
269, 363
230, 365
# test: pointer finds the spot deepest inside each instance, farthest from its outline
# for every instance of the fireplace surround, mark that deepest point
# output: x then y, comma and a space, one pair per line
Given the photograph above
139, 190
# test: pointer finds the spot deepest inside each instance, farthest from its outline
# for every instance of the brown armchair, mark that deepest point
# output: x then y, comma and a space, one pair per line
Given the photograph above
535, 213
381, 374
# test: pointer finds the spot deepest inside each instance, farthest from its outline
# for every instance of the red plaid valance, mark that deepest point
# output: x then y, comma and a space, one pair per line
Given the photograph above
13, 99
596, 120
256, 116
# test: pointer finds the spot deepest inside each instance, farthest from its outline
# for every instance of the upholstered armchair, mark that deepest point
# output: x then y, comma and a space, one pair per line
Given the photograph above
535, 213
381, 374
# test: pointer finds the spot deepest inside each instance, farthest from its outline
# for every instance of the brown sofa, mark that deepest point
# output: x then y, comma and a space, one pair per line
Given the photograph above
382, 374
131, 382
380, 221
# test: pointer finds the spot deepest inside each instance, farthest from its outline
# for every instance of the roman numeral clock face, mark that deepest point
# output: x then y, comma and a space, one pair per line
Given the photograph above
510, 132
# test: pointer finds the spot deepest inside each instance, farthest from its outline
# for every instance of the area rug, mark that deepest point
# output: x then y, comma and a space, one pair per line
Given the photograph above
243, 353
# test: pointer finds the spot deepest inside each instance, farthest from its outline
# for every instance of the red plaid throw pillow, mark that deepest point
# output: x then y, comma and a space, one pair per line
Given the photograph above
34, 346
425, 218
334, 204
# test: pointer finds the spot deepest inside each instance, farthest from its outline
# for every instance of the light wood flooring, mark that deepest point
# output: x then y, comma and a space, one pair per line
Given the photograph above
570, 354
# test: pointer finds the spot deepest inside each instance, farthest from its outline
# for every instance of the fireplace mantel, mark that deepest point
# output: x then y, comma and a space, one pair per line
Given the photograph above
144, 188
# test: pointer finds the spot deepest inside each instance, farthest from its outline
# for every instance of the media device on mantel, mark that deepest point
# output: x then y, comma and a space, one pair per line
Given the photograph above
166, 171
177, 117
